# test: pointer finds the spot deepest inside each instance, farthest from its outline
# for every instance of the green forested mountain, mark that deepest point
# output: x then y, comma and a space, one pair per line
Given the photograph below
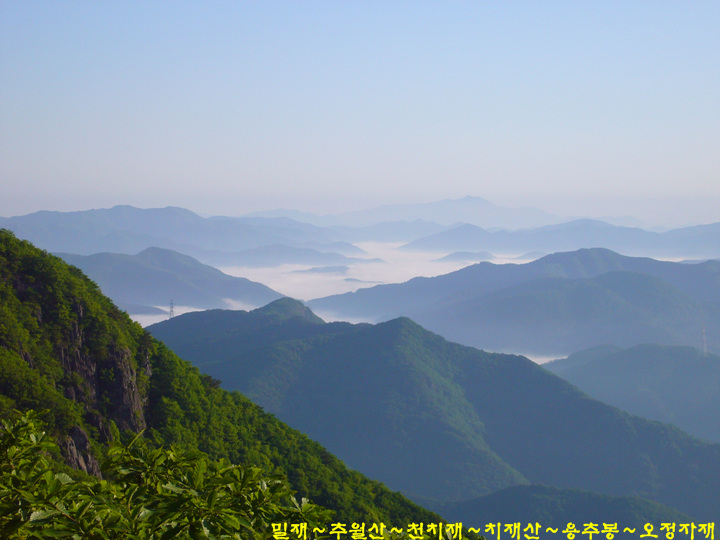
66, 348
439, 420
677, 385
155, 276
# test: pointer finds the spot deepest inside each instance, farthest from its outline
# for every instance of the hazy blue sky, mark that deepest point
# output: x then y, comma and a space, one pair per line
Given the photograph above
228, 107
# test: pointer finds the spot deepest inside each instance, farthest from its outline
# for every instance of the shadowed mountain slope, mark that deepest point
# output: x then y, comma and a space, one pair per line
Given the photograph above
155, 276
553, 507
559, 315
438, 420
677, 385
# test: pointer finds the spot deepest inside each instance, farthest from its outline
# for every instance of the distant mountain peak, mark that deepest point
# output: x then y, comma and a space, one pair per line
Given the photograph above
288, 308
130, 208
586, 224
154, 250
468, 227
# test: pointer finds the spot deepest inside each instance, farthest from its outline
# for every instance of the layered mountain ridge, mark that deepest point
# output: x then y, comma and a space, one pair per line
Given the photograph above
556, 305
66, 348
438, 420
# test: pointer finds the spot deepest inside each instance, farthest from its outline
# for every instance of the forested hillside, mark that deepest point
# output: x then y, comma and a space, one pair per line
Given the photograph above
66, 348
555, 506
677, 385
438, 420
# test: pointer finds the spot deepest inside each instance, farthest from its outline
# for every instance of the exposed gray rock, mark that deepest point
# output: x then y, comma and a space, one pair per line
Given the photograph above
77, 452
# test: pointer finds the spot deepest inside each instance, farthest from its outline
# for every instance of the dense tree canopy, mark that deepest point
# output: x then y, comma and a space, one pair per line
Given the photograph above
149, 493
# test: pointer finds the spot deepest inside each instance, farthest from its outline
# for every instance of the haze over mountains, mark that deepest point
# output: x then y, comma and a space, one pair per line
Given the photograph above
474, 210
677, 385
445, 226
558, 304
554, 306
155, 277
459, 429
125, 229
690, 242
271, 249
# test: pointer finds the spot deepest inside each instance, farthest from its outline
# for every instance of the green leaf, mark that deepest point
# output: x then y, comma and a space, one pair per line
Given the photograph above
64, 478
40, 515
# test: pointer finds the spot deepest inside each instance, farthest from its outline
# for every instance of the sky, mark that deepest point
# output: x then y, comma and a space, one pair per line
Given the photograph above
578, 108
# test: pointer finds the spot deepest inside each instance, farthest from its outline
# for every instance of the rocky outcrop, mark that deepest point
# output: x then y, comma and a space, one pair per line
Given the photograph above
105, 383
109, 385
77, 452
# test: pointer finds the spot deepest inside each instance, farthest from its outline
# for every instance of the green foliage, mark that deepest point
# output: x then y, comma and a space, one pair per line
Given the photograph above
53, 318
150, 493
25, 387
66, 348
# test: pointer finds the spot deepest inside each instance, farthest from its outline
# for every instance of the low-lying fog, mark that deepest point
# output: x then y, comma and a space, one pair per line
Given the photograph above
305, 282
397, 266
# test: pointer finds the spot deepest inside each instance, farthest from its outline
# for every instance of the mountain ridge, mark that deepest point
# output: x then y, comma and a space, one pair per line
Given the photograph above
669, 384
689, 242
456, 421
445, 303
155, 276
475, 210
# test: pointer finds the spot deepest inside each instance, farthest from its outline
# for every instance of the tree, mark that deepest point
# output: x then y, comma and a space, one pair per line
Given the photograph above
148, 493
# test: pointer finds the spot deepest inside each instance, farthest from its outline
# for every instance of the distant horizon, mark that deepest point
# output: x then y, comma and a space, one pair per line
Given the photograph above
673, 218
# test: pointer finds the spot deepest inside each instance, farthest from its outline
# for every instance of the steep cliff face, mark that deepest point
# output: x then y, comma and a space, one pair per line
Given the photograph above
78, 453
108, 382
62, 338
